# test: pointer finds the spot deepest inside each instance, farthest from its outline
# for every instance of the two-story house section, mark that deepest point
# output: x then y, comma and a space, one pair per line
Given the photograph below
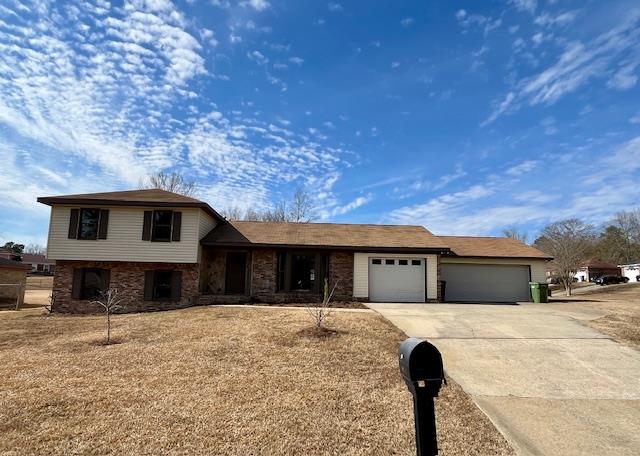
145, 243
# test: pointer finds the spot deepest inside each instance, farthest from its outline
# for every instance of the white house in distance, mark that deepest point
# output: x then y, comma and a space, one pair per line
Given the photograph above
631, 270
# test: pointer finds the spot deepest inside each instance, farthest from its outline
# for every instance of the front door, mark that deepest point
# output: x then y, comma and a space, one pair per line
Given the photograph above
236, 271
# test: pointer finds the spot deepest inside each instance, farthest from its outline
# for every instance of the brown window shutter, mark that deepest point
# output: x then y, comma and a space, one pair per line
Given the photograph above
74, 219
104, 224
177, 226
146, 226
105, 278
76, 286
148, 285
176, 285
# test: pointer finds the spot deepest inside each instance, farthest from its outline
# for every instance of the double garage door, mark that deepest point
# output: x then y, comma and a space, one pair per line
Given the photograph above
397, 279
485, 282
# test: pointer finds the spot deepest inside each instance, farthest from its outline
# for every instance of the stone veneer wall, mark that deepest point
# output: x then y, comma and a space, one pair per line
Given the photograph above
128, 278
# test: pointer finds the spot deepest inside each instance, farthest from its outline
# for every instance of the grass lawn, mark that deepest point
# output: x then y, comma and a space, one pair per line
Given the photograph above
216, 380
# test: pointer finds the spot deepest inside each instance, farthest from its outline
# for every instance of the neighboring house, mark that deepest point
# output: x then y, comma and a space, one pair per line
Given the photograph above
13, 280
631, 270
39, 264
592, 269
7, 254
163, 250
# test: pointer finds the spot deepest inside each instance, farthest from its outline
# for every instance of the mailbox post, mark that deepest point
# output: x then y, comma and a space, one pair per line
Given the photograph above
422, 370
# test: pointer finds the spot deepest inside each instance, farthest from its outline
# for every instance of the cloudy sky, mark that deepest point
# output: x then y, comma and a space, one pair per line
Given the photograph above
465, 117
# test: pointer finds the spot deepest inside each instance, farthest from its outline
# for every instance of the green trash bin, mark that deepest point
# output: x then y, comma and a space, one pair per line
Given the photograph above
539, 292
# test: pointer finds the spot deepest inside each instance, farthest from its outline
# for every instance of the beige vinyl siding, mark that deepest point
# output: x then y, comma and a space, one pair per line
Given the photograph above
124, 238
361, 272
538, 267
205, 224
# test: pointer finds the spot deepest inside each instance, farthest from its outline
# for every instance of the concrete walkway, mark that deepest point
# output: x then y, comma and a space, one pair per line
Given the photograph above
550, 384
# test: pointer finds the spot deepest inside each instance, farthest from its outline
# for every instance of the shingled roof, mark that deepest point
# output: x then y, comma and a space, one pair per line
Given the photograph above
491, 247
154, 197
325, 236
10, 264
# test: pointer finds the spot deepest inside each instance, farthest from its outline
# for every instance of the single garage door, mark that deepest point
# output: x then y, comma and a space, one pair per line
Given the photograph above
485, 282
396, 279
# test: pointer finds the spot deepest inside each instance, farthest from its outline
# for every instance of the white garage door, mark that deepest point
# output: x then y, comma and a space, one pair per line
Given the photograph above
396, 279
486, 283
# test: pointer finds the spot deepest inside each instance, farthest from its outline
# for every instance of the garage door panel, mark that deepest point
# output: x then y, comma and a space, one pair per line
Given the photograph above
486, 283
397, 280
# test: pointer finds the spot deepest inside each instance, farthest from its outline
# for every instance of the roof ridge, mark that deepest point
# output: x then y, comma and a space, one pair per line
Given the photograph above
326, 223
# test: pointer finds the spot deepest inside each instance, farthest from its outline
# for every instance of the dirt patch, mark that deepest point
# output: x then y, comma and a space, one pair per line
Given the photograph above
212, 380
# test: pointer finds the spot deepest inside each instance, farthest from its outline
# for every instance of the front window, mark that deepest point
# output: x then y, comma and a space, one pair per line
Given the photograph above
303, 272
162, 226
89, 219
92, 283
162, 282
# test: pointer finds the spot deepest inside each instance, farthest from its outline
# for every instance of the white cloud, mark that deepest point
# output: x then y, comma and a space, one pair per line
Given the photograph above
577, 65
296, 60
522, 168
395, 64
407, 22
257, 57
528, 6
334, 7
547, 20
356, 203
258, 5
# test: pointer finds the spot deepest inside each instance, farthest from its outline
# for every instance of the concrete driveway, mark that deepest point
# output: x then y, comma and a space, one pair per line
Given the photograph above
550, 384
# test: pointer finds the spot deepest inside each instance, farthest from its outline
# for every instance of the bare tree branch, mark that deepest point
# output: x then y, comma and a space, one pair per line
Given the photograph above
174, 182
110, 302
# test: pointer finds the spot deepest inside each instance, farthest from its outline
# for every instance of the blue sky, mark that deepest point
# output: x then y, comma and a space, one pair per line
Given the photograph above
465, 117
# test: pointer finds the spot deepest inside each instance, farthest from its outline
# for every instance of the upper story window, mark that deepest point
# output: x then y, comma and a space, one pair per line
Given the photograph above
89, 219
88, 223
162, 226
161, 230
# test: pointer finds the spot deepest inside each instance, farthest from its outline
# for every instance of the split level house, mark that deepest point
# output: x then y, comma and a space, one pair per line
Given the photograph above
162, 250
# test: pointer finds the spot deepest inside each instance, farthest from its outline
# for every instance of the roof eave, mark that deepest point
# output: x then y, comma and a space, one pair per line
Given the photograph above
354, 248
51, 200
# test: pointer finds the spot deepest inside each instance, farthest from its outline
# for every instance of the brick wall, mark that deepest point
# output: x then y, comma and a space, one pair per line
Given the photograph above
341, 270
264, 279
129, 279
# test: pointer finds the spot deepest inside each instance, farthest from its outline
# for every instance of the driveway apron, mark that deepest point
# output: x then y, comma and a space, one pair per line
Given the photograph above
549, 383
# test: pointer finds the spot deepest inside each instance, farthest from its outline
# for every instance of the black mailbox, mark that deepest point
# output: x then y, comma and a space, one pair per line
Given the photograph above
423, 372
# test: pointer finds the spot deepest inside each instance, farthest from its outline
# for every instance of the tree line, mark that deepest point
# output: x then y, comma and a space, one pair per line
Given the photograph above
573, 241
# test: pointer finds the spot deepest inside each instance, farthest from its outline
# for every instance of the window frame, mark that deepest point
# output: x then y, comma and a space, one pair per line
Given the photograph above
83, 295
83, 211
154, 237
284, 272
154, 293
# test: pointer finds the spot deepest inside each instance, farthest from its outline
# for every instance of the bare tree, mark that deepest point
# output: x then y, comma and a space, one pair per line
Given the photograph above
514, 233
172, 182
110, 302
301, 208
277, 214
35, 249
321, 312
569, 242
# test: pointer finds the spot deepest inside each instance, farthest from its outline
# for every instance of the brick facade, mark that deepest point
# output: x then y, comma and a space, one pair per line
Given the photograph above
341, 271
129, 279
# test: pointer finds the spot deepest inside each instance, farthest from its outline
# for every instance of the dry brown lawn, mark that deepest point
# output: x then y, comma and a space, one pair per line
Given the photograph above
216, 381
623, 320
